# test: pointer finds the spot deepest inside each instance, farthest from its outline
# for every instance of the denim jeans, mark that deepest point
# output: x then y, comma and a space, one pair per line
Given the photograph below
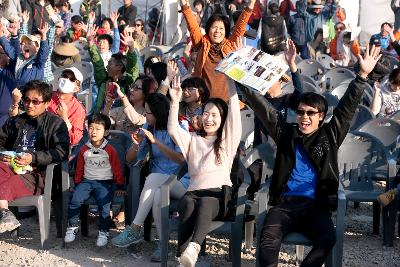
103, 193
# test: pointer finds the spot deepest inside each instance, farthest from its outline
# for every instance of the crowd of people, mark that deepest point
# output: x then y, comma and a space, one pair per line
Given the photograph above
181, 111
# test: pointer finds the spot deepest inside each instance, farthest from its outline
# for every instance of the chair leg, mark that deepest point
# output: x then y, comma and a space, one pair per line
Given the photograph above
248, 234
299, 254
236, 243
43, 207
376, 217
203, 247
84, 220
147, 227
356, 205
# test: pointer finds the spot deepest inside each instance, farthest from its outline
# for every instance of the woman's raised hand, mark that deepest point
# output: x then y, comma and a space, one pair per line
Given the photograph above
175, 92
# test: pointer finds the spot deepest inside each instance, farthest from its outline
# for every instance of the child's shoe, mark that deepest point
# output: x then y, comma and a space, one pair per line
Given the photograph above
128, 237
387, 197
189, 256
71, 234
102, 239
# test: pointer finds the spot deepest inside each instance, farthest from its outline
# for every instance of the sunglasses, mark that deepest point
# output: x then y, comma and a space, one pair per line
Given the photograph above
309, 113
339, 28
190, 89
138, 25
58, 27
35, 102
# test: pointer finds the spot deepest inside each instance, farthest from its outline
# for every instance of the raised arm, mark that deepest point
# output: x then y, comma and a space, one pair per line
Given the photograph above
344, 112
132, 67
193, 27
181, 137
233, 125
117, 40
240, 26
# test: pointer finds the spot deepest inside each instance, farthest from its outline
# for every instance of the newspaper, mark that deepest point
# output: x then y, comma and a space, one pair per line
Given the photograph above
253, 68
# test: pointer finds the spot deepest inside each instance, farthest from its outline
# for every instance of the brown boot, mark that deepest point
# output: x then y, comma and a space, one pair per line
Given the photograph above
387, 197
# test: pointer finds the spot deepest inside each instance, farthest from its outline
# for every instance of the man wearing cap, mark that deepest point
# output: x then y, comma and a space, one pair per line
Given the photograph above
316, 15
27, 59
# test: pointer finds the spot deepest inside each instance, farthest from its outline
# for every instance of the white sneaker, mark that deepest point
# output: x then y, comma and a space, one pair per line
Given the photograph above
189, 256
102, 239
71, 233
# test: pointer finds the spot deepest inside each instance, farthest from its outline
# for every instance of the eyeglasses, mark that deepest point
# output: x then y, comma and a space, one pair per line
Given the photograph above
135, 88
190, 89
309, 113
58, 27
138, 25
339, 28
35, 102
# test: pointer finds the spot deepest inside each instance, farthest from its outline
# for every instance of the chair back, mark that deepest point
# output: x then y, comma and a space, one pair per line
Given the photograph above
359, 159
362, 115
266, 152
332, 78
311, 68
385, 130
121, 141
327, 61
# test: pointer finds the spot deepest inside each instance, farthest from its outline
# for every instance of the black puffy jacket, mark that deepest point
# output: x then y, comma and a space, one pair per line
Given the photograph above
272, 34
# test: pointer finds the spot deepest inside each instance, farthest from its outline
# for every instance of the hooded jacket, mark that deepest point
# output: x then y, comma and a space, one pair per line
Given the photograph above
321, 146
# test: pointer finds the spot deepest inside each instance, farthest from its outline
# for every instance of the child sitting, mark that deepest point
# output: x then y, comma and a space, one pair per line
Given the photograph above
98, 166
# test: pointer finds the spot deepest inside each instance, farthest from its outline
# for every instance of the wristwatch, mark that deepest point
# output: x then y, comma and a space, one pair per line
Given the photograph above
13, 107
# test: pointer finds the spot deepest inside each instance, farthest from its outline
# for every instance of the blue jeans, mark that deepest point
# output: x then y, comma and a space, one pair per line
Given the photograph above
103, 193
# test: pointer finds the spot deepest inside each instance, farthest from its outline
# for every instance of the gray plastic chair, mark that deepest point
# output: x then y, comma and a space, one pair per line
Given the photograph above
395, 116
310, 80
327, 61
332, 78
361, 161
362, 115
235, 227
43, 202
311, 68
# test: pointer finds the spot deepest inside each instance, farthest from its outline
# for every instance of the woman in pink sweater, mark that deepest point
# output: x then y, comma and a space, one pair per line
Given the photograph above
209, 157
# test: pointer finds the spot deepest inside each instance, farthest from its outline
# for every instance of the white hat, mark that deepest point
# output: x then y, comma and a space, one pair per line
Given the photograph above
78, 75
316, 4
31, 38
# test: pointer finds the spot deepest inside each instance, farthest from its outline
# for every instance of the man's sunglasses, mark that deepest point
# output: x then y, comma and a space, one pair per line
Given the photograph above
309, 113
35, 102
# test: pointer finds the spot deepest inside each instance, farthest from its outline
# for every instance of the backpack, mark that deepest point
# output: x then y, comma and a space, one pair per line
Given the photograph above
273, 39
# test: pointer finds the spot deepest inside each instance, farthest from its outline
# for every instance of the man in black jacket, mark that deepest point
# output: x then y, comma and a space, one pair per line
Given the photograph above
305, 181
40, 138
128, 12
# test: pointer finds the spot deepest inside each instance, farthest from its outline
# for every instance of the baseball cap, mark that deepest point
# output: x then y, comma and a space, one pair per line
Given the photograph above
31, 38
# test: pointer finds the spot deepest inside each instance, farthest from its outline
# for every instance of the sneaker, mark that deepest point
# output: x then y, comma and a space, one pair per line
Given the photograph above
8, 222
102, 239
387, 197
71, 234
156, 255
128, 237
189, 256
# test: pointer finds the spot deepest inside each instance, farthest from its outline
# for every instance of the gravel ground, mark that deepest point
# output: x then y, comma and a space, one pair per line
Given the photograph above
361, 248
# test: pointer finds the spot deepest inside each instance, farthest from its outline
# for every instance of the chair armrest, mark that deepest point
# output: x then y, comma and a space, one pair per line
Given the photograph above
241, 196
48, 180
169, 183
263, 197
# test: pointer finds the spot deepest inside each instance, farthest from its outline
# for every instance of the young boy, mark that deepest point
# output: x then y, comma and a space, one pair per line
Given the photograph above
98, 167
77, 28
303, 190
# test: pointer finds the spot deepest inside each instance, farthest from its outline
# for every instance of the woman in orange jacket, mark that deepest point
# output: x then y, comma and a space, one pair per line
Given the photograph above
214, 45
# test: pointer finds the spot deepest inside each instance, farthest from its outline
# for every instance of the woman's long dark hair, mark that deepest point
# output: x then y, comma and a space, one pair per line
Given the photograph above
223, 111
159, 106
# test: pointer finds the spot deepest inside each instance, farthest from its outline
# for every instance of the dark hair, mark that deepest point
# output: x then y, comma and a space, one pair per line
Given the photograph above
106, 37
42, 88
340, 23
159, 106
273, 7
219, 17
318, 31
150, 61
314, 100
394, 76
76, 19
159, 70
120, 59
198, 83
65, 39
122, 27
223, 111
196, 2
149, 86
100, 118
109, 21
386, 23
36, 32
69, 74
